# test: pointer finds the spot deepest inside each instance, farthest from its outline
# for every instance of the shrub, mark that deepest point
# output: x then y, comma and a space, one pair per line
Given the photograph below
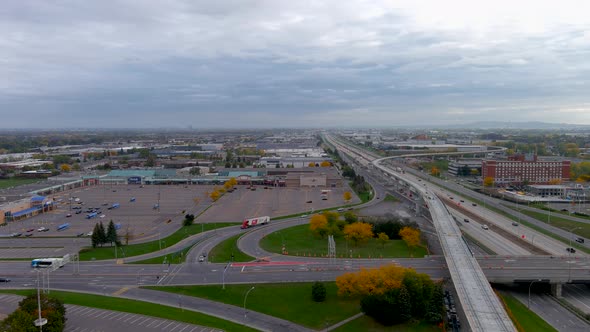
318, 292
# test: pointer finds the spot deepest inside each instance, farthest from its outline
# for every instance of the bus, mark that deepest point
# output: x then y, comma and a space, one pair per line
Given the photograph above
63, 227
47, 262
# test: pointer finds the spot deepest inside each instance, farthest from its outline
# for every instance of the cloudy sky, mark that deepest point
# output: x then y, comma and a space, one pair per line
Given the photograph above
240, 63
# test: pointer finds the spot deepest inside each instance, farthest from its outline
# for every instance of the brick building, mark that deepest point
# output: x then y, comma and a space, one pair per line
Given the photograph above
521, 169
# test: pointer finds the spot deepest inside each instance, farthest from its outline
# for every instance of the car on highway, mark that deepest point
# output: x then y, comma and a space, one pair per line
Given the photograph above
473, 204
485, 227
303, 216
462, 201
3, 279
68, 215
466, 220
201, 258
570, 250
340, 209
42, 229
514, 223
580, 240
309, 202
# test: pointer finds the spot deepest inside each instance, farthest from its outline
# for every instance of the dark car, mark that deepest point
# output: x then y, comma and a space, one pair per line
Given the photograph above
29, 234
473, 204
570, 250
580, 240
79, 211
2, 279
466, 220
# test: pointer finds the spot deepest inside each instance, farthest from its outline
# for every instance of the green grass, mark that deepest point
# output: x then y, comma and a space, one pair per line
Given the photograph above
147, 247
14, 181
223, 251
523, 318
368, 324
299, 240
173, 258
287, 301
390, 198
560, 222
140, 307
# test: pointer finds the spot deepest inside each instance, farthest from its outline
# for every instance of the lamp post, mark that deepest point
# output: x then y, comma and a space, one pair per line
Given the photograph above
245, 298
529, 302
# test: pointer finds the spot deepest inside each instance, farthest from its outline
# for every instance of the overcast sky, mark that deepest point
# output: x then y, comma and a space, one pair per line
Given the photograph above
238, 63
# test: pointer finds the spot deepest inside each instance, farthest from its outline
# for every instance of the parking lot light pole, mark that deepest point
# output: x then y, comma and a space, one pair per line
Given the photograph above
245, 298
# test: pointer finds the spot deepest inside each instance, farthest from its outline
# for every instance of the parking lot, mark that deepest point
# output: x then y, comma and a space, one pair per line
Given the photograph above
84, 319
140, 218
273, 202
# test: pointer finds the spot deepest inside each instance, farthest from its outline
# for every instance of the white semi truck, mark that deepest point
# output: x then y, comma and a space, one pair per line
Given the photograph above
255, 221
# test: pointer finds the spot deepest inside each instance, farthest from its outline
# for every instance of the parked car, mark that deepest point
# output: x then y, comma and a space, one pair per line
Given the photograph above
68, 215
30, 230
16, 234
42, 229
28, 234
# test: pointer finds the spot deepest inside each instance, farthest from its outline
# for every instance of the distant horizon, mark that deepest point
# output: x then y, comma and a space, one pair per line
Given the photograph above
502, 125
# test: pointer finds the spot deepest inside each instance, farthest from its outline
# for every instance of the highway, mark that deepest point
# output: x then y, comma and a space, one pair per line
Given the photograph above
481, 306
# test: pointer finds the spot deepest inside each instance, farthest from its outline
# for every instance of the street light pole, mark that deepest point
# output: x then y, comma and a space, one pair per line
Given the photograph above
245, 298
529, 302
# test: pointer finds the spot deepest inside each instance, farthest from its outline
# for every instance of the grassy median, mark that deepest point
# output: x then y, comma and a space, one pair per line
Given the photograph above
224, 251
287, 301
100, 253
300, 241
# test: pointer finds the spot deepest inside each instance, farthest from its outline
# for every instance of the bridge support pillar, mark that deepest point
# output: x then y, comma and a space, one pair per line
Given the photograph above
556, 289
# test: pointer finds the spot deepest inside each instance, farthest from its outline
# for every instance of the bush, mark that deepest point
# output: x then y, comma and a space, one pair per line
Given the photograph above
188, 220
21, 320
318, 292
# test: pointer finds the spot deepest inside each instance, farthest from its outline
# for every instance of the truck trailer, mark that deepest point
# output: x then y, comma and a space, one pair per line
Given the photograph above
255, 221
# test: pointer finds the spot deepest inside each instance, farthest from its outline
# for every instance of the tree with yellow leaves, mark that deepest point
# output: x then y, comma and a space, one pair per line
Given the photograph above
214, 195
411, 237
326, 163
555, 181
227, 185
488, 181
347, 196
318, 224
382, 238
370, 281
232, 181
358, 232
312, 164
65, 168
434, 171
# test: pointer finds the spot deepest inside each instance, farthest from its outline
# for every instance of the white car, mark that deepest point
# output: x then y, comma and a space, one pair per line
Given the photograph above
102, 216
485, 227
42, 229
303, 216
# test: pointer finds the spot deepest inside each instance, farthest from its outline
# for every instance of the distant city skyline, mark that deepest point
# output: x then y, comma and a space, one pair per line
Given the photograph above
268, 64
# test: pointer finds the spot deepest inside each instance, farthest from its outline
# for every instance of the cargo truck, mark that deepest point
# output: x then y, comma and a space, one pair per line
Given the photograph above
255, 221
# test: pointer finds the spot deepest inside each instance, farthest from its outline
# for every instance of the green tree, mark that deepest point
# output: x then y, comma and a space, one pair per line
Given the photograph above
189, 219
95, 239
404, 304
102, 234
350, 217
111, 235
318, 292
